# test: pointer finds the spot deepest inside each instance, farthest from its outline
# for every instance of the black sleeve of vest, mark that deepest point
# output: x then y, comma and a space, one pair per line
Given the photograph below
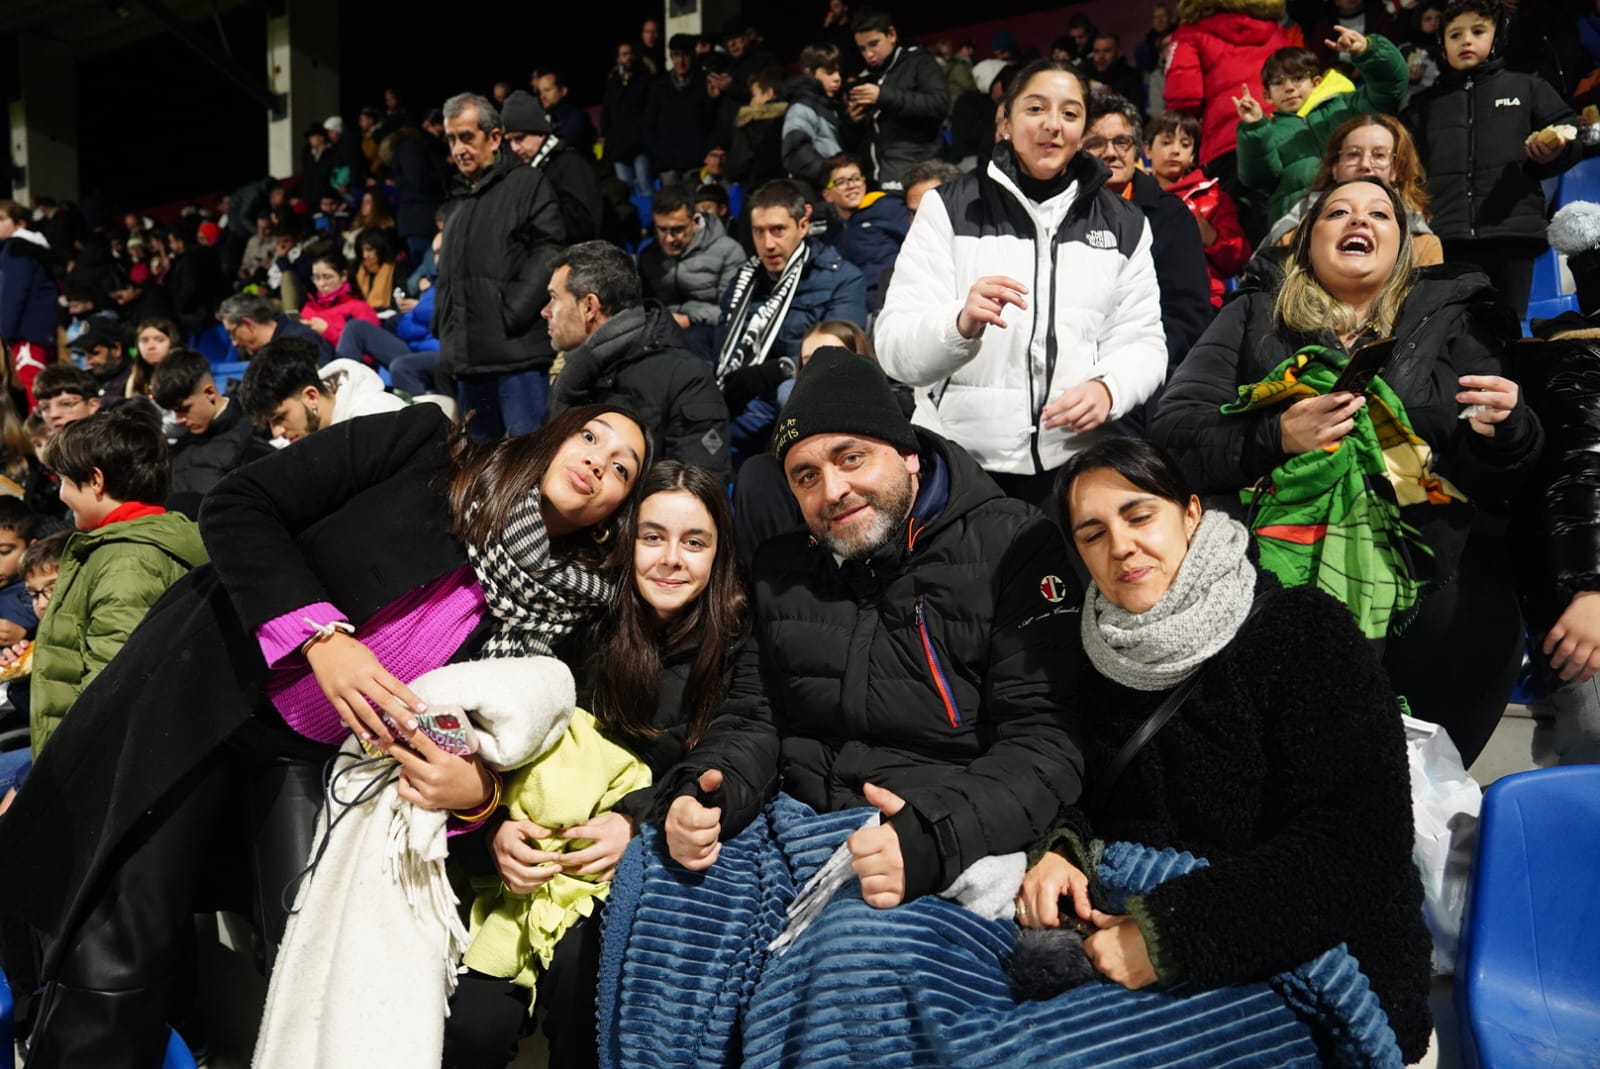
1032, 767
1217, 453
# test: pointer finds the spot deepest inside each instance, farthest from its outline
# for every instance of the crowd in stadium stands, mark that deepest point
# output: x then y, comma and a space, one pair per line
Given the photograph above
888, 429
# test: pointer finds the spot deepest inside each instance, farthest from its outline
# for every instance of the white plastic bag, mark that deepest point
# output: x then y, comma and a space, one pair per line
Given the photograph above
1444, 806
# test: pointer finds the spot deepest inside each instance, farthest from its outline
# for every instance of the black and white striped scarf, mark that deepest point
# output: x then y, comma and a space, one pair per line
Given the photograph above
536, 601
752, 328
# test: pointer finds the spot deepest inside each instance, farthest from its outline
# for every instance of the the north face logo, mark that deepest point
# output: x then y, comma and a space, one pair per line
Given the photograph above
1101, 239
1508, 102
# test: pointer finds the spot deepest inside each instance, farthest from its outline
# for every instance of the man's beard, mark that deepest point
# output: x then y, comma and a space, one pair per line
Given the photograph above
891, 508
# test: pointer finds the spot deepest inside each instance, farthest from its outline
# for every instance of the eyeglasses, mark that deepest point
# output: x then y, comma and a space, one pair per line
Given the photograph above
1122, 143
1377, 157
37, 597
847, 180
673, 231
64, 403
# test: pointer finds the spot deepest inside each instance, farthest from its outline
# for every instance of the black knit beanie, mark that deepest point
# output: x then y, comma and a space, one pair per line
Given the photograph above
522, 114
840, 392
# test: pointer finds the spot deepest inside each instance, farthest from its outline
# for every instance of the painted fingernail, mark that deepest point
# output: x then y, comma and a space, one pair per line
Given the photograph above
421, 707
367, 735
411, 725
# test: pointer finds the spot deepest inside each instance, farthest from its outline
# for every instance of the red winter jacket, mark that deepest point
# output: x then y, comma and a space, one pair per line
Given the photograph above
1225, 257
1220, 46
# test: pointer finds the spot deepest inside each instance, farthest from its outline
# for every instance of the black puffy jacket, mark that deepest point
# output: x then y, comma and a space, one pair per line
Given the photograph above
503, 236
945, 669
1470, 130
640, 359
913, 99
1451, 325
1556, 525
1180, 261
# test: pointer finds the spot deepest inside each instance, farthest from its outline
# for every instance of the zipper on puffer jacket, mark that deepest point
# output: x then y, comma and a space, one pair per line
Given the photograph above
941, 680
1472, 164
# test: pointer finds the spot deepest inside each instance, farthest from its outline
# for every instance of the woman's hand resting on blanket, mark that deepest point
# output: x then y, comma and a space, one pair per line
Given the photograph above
1118, 951
357, 685
523, 867
611, 833
1051, 879
431, 778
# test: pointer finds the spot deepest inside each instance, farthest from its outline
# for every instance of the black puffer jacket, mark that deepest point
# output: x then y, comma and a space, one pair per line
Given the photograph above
678, 120
1180, 261
1451, 325
1470, 129
1288, 774
1556, 524
946, 672
504, 235
622, 111
572, 175
640, 359
913, 99
199, 461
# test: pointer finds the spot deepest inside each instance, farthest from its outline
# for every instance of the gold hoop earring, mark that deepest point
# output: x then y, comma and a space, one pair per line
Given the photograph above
601, 535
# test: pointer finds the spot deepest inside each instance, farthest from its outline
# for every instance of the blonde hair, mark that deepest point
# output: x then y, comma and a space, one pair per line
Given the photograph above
1304, 306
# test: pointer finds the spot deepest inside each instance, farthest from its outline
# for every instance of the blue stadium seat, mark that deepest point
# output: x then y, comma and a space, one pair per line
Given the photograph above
215, 344
1580, 183
178, 1055
735, 200
1528, 984
223, 374
643, 203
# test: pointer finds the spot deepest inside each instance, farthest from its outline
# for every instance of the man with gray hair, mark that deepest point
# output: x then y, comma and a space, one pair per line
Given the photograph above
251, 323
622, 349
503, 232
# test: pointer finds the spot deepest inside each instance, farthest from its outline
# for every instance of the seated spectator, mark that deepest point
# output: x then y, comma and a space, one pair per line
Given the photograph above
38, 568
711, 167
1445, 605
405, 345
328, 309
711, 201
568, 171
332, 218
1321, 753
1110, 68
374, 281
568, 121
135, 302
1279, 155
285, 392
18, 527
105, 350
867, 228
622, 350
901, 105
290, 274
923, 179
67, 395
689, 266
957, 317
1172, 141
427, 269
115, 474
252, 325
259, 251
153, 340
1176, 249
195, 281
27, 296
1379, 146
811, 123
217, 437
756, 154
790, 284
375, 214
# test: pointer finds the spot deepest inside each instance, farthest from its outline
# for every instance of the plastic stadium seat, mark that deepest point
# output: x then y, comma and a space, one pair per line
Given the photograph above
1551, 280
215, 344
1528, 981
643, 203
1580, 183
224, 374
178, 1055
735, 200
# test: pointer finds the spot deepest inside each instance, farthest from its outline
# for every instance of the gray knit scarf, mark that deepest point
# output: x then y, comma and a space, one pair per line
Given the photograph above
536, 602
1197, 616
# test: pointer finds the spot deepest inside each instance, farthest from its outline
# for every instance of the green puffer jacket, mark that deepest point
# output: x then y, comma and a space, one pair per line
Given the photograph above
108, 579
1281, 153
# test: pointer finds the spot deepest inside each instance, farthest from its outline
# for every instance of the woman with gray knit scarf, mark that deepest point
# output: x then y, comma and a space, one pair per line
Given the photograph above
1283, 766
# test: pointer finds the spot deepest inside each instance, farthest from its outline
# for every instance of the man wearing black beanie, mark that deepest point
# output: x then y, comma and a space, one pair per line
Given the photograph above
920, 647
529, 135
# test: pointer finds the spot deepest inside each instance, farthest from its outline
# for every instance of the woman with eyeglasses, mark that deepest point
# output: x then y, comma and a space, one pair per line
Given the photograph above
1024, 308
334, 303
1351, 280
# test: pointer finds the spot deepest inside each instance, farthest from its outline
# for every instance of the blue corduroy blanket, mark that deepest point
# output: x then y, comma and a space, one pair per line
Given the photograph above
687, 981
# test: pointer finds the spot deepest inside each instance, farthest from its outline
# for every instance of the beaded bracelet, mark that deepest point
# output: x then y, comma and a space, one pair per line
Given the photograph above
319, 632
477, 815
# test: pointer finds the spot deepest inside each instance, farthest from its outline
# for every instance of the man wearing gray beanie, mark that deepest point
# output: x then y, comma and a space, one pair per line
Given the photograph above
529, 135
920, 646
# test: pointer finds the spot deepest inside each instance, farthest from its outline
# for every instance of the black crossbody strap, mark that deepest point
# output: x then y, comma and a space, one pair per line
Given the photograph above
1147, 730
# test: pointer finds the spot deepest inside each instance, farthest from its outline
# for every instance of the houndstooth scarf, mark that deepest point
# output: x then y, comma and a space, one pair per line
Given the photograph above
753, 325
536, 601
1197, 616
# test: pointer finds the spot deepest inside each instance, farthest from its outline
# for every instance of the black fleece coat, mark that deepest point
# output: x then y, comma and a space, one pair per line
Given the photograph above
295, 529
983, 602
505, 234
1286, 769
1470, 128
1555, 525
1451, 325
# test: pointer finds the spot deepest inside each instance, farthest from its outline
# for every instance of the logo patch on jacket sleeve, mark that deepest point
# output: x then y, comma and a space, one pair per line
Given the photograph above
1052, 588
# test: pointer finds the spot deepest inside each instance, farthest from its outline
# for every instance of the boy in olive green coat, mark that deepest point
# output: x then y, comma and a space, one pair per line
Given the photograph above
115, 472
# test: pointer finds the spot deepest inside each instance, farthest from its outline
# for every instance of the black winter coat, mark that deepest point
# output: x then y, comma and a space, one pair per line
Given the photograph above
639, 358
1287, 771
293, 530
1451, 325
201, 461
946, 669
494, 271
420, 170
577, 189
572, 124
1555, 525
622, 111
678, 119
1180, 261
913, 99
196, 285
1470, 128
